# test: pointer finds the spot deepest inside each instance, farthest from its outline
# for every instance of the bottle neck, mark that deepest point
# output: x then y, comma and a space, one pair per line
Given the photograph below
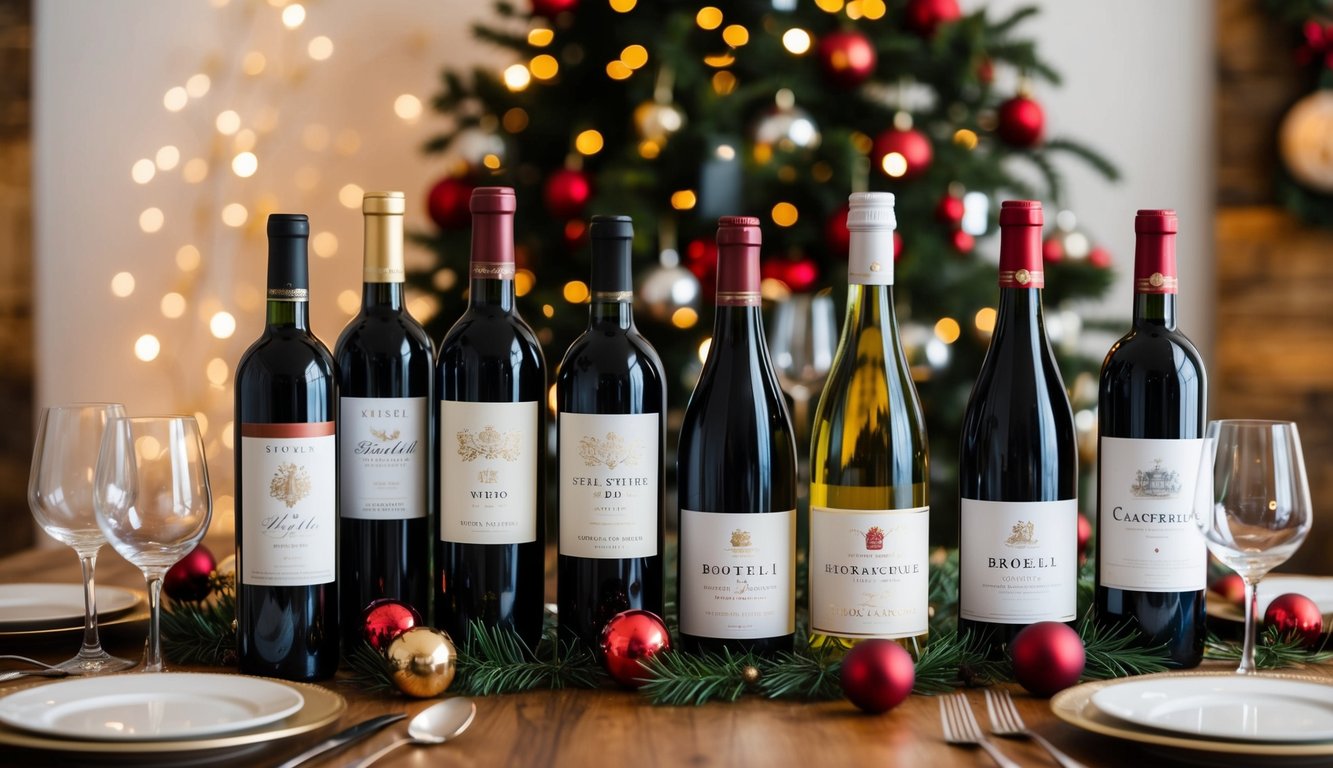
870, 306
382, 296
288, 283
738, 327
492, 292
288, 314
611, 283
618, 313
492, 262
1155, 279
1020, 313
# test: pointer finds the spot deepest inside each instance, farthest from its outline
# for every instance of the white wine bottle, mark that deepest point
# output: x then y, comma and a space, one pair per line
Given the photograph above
869, 461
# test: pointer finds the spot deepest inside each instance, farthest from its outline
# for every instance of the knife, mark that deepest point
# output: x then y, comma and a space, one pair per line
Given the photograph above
344, 737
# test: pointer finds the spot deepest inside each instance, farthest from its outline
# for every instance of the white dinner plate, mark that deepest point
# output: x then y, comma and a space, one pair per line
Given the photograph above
1231, 707
149, 706
1317, 588
42, 606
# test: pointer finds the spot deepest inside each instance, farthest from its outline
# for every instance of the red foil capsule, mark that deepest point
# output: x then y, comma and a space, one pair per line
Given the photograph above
1020, 245
1155, 251
738, 241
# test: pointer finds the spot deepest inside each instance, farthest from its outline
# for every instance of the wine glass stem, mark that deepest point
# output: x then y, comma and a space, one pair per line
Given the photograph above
153, 653
92, 645
1251, 607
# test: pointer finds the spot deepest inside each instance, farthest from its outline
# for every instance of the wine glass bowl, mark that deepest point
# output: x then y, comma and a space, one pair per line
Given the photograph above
802, 343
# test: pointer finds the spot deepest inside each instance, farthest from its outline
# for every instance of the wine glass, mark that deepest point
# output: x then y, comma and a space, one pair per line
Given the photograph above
1252, 503
153, 501
60, 494
802, 343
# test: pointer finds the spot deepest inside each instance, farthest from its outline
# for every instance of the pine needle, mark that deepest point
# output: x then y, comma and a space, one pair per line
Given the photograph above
200, 632
1116, 651
1272, 650
807, 675
679, 679
497, 660
370, 672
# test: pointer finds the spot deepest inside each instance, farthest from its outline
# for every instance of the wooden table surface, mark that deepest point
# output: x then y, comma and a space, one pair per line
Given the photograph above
613, 727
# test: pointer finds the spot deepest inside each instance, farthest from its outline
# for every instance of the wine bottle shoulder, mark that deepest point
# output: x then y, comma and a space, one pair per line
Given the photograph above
388, 337
286, 353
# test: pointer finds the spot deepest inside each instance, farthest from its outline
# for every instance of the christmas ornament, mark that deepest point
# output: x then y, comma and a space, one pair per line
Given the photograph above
423, 661
949, 211
385, 619
877, 675
1099, 257
786, 126
188, 579
1305, 140
667, 289
924, 17
226, 568
986, 70
657, 121
837, 238
750, 674
1067, 240
566, 193
552, 8
902, 154
1052, 250
897, 246
847, 58
448, 202
1084, 536
474, 149
628, 638
1296, 615
1231, 587
799, 275
962, 241
1048, 657
1021, 122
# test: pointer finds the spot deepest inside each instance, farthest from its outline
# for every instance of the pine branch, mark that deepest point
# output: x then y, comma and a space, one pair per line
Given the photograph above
370, 672
678, 679
1116, 652
1006, 25
951, 660
497, 660
201, 632
811, 675
1054, 181
1272, 650
1089, 155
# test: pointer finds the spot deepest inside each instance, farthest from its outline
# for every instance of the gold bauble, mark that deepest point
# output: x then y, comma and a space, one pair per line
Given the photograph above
423, 661
1306, 141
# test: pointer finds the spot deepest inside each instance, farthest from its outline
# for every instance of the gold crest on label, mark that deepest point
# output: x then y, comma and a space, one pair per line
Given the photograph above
875, 266
489, 443
611, 452
1022, 533
384, 435
740, 538
290, 483
488, 476
1022, 277
1156, 280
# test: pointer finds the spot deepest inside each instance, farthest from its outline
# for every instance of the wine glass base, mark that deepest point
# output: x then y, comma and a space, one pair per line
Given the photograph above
95, 665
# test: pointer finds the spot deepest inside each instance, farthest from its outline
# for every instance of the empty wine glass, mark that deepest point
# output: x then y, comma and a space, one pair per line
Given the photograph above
60, 494
153, 501
802, 343
1252, 503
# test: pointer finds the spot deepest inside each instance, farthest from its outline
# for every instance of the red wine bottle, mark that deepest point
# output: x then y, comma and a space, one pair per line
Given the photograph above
1018, 469
386, 363
490, 485
1152, 406
286, 474
611, 397
736, 470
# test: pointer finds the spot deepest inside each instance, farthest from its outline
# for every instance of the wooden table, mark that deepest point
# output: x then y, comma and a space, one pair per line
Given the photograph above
618, 728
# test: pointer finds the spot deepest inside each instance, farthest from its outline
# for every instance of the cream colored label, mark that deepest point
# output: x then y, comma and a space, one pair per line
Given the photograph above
737, 574
383, 457
488, 472
869, 571
289, 508
609, 468
1018, 561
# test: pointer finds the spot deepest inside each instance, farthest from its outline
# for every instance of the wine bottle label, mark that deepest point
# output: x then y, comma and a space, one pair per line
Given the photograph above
609, 469
488, 472
869, 571
1018, 561
737, 574
383, 457
288, 504
1148, 540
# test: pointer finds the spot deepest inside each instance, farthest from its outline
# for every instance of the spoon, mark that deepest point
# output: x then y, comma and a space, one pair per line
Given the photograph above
435, 724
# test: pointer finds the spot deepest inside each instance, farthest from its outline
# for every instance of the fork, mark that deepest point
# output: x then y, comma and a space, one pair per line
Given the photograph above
960, 727
1005, 721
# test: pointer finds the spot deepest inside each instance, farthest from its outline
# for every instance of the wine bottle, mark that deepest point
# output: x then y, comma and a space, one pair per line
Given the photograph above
1152, 408
1018, 469
869, 461
286, 474
490, 486
385, 366
611, 397
736, 471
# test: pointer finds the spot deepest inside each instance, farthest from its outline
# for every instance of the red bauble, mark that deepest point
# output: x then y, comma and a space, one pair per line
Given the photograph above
385, 619
847, 58
188, 578
802, 275
897, 246
913, 148
836, 235
1084, 536
925, 16
1296, 615
552, 8
566, 193
950, 211
1231, 587
877, 675
1099, 257
628, 638
1048, 657
962, 241
1052, 251
1021, 122
448, 203
986, 70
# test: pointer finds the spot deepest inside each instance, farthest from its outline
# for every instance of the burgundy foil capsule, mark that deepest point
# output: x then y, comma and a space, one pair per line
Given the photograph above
493, 233
1020, 245
738, 241
1155, 251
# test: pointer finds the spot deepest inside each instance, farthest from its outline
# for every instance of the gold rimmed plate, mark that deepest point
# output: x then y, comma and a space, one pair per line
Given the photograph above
1317, 588
112, 626
26, 607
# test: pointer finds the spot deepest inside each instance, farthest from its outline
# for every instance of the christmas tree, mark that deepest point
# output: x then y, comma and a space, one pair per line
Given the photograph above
676, 114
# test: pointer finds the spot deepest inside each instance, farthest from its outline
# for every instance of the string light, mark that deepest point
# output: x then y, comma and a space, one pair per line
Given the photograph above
325, 245
589, 142
719, 60
683, 200
634, 56
319, 48
217, 371
623, 6
175, 99
708, 17
350, 195
228, 435
173, 305
524, 280
540, 37
143, 171
197, 86
167, 157
122, 284
548, 310
965, 138
724, 83
245, 164
245, 140
894, 164
618, 70
544, 66
491, 161
147, 347
515, 120
985, 319
785, 214
854, 11
187, 258
234, 214
796, 41
684, 317
195, 171
649, 149
349, 301
829, 6
704, 346
253, 63
873, 10
948, 330
222, 325
517, 77
576, 292
407, 107
228, 122
735, 35
293, 16
151, 220
445, 279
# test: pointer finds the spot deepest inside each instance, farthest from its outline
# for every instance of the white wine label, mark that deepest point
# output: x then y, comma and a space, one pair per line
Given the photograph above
737, 574
609, 469
289, 514
869, 572
1147, 537
383, 457
1018, 561
488, 472
870, 258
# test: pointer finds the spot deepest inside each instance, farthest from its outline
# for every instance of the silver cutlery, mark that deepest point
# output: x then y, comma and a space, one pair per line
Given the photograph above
17, 673
435, 724
961, 728
1005, 721
344, 737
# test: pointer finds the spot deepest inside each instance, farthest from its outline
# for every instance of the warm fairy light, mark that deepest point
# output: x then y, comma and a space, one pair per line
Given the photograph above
589, 142
985, 319
491, 161
552, 402
785, 214
151, 220
894, 164
167, 157
253, 63
234, 214
228, 122
821, 172
524, 280
173, 305
147, 347
217, 371
143, 171
319, 48
245, 140
548, 310
349, 301
540, 37
293, 16
517, 77
325, 245
1085, 420
772, 289
197, 86
515, 120
862, 142
684, 317
195, 171
350, 195
854, 11
704, 346
725, 152
829, 6
649, 149
445, 279
574, 229
634, 56
724, 83
683, 199
422, 306
122, 284
576, 291
763, 153
202, 418
708, 17
228, 435
175, 99
965, 138
948, 330
222, 325
544, 66
623, 6
187, 258
873, 9
735, 35
796, 41
315, 137
787, 174
148, 447
719, 60
618, 70
407, 107
245, 164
